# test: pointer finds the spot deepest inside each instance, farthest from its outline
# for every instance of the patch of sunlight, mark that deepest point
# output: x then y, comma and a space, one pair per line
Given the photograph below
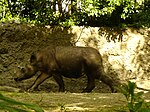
106, 106
147, 100
76, 108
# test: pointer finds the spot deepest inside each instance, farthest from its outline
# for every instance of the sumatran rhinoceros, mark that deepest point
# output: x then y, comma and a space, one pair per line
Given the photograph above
69, 62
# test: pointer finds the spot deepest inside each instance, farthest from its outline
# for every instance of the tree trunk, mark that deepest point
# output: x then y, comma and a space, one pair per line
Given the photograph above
60, 6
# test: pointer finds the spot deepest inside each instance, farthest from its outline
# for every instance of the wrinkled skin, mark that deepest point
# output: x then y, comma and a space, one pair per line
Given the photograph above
70, 62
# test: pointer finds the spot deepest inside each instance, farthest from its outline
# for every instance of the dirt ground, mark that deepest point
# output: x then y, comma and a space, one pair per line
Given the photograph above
75, 102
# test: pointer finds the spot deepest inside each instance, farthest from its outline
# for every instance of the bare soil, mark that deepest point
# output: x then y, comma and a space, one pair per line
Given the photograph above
74, 102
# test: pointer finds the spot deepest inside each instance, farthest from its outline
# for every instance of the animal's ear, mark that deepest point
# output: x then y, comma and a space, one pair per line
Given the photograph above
33, 58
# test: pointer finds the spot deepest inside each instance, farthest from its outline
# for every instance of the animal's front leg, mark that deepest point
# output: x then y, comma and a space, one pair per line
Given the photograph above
59, 80
41, 78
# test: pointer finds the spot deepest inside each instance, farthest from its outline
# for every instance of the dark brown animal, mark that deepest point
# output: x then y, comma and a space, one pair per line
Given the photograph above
70, 62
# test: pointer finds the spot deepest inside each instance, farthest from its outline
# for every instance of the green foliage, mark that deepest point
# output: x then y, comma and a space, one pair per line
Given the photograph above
4, 11
16, 106
77, 12
135, 101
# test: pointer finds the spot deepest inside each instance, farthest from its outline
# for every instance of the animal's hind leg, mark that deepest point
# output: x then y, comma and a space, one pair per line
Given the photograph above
90, 83
59, 80
107, 80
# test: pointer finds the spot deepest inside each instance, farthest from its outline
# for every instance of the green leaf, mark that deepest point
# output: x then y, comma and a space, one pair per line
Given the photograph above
138, 106
139, 94
7, 107
13, 102
125, 91
132, 87
130, 106
145, 110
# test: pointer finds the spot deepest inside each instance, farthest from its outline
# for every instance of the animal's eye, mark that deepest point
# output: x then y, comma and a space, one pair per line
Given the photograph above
22, 70
19, 67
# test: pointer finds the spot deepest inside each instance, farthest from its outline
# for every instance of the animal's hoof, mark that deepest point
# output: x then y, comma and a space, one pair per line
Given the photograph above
86, 91
114, 90
61, 91
32, 89
16, 79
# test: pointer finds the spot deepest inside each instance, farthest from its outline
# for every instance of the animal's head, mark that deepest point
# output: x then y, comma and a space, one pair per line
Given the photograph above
25, 73
28, 71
